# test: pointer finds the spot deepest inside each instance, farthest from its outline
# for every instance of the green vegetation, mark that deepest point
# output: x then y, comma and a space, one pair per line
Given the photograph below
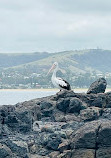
80, 68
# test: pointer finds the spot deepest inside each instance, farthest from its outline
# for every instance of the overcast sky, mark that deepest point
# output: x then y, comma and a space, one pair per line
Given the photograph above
54, 25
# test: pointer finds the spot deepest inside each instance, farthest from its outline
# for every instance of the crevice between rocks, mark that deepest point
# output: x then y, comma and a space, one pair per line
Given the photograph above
96, 140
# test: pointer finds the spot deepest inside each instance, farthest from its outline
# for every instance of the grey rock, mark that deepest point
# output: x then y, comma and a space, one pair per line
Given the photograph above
45, 105
108, 100
96, 135
43, 151
85, 137
64, 125
64, 146
98, 86
54, 154
104, 135
75, 105
99, 101
65, 94
5, 151
106, 113
70, 105
18, 148
38, 156
47, 112
65, 154
90, 114
104, 152
63, 104
83, 153
53, 142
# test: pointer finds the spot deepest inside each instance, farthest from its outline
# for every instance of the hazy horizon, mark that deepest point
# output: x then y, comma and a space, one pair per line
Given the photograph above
54, 26
32, 52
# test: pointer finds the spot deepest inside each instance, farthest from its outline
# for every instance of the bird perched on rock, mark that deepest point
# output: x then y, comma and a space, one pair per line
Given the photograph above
58, 82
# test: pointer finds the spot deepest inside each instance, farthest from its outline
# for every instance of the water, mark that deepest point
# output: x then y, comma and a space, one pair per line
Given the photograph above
14, 96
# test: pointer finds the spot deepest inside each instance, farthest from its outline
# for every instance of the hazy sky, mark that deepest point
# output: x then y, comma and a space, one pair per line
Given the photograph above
54, 25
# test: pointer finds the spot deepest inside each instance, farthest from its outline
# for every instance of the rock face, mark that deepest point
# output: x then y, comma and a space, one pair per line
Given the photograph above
65, 125
98, 86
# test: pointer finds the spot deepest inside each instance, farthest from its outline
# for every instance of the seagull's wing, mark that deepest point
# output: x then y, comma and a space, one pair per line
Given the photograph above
63, 84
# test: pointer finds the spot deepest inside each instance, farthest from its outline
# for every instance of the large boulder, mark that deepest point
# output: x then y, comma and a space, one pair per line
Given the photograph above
70, 105
64, 125
85, 136
51, 141
15, 148
5, 151
98, 86
15, 120
83, 153
106, 113
95, 136
90, 114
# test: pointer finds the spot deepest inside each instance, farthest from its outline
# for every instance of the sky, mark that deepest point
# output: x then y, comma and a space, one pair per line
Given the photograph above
54, 25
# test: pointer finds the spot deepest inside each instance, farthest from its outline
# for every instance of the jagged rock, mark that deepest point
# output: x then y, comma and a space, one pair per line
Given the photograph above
64, 146
108, 100
15, 120
38, 156
72, 117
65, 154
90, 114
99, 101
54, 154
64, 94
59, 117
63, 104
5, 151
104, 134
70, 105
104, 152
106, 113
45, 105
64, 125
75, 105
96, 135
42, 151
85, 136
53, 142
47, 112
18, 148
98, 86
83, 153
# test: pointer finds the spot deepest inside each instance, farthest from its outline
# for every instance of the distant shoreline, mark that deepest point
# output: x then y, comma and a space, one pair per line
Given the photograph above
46, 89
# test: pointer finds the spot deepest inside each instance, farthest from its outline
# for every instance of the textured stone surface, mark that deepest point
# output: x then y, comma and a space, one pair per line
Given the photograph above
65, 125
84, 153
90, 114
98, 86
104, 153
5, 151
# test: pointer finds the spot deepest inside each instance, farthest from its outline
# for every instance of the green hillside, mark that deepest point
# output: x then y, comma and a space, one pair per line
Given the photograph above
80, 68
75, 61
15, 59
63, 58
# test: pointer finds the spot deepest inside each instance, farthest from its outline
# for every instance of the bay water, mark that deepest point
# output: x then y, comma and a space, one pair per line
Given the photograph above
11, 97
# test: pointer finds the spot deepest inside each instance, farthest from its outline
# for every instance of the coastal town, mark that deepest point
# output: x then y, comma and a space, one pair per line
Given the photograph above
17, 80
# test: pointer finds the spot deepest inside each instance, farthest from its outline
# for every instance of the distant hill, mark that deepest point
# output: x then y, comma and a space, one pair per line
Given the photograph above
10, 60
80, 68
75, 61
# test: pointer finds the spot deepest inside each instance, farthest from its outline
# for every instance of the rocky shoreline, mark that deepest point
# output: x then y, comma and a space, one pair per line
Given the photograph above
65, 125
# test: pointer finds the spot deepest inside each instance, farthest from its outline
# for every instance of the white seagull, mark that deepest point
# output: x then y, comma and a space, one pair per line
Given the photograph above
58, 82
